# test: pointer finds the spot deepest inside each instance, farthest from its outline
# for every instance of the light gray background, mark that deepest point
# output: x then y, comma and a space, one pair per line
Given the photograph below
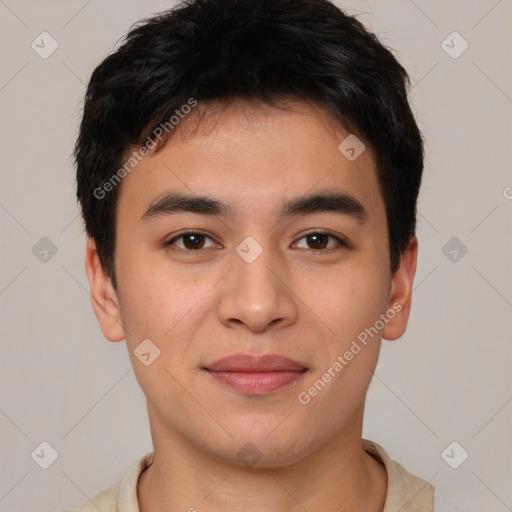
448, 379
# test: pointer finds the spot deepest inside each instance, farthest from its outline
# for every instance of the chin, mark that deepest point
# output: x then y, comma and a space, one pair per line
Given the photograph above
261, 450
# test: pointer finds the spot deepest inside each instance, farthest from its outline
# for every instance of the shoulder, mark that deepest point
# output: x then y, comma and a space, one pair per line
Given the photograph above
104, 501
405, 491
441, 503
120, 496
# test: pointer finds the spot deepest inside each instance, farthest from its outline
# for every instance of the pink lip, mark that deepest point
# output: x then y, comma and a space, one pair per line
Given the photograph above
247, 363
256, 375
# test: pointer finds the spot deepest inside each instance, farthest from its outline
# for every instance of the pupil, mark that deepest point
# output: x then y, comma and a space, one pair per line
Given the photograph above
193, 240
318, 239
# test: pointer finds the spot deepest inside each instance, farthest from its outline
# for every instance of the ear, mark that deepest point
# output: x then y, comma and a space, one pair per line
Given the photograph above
401, 292
103, 296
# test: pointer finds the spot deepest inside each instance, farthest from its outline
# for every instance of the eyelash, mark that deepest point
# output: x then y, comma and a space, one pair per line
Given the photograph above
170, 243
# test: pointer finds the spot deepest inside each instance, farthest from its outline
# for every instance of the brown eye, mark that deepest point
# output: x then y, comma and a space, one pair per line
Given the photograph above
319, 240
191, 241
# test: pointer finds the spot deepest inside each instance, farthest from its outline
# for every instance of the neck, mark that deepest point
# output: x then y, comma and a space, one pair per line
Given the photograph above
338, 476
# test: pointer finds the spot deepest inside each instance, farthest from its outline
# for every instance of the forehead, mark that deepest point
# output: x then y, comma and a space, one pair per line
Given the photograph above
252, 156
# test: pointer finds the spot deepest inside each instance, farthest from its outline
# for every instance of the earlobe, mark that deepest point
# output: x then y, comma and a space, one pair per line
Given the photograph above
105, 302
401, 293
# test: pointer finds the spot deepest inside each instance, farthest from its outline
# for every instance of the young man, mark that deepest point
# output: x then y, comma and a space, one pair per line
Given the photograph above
248, 172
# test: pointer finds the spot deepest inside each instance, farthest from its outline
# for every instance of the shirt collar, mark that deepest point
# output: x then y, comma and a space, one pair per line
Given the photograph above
403, 489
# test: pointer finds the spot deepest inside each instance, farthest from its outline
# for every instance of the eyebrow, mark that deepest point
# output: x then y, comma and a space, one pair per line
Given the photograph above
335, 202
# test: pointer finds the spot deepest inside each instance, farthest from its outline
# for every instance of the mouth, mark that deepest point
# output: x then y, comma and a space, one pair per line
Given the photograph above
256, 375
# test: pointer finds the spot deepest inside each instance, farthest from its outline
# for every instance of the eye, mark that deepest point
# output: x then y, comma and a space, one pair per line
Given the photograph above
191, 241
319, 241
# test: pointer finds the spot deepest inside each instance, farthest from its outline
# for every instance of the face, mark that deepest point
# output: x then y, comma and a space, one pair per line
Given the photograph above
259, 270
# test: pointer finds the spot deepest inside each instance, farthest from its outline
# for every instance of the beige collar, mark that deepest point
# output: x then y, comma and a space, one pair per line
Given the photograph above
405, 492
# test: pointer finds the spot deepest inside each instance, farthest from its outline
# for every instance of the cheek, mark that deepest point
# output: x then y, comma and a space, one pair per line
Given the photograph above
352, 302
150, 311
148, 294
163, 306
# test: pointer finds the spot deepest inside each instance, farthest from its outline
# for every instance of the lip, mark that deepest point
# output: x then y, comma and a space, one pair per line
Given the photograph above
256, 375
261, 364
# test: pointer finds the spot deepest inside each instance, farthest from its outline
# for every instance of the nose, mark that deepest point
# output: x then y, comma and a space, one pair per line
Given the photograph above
257, 294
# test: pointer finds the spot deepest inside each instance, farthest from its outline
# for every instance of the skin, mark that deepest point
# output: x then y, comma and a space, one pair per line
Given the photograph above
293, 300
